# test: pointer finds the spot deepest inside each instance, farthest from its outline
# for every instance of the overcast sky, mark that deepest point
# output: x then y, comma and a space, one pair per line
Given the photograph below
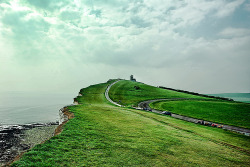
57, 46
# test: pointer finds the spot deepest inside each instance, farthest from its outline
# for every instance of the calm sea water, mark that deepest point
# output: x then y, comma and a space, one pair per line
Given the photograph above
243, 97
31, 107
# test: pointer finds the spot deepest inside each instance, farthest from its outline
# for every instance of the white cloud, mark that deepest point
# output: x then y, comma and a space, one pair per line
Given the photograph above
235, 32
92, 38
228, 8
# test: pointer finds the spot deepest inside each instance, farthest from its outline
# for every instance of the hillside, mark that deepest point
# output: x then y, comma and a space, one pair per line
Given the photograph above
230, 113
125, 92
210, 109
101, 134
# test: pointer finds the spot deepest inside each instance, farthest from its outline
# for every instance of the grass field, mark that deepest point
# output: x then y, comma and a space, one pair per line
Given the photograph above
231, 113
101, 134
226, 112
125, 92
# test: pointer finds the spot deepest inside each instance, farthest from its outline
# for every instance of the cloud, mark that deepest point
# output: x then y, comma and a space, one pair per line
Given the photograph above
69, 15
139, 22
247, 6
235, 32
71, 39
228, 8
48, 5
24, 26
97, 12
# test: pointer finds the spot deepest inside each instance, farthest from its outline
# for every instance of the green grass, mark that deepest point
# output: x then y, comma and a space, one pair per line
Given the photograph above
125, 92
231, 113
105, 135
226, 112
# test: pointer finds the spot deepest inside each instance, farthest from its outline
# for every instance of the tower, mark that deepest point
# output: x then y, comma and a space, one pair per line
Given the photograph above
132, 78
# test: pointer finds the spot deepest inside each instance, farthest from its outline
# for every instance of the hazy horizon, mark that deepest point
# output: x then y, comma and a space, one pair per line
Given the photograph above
63, 46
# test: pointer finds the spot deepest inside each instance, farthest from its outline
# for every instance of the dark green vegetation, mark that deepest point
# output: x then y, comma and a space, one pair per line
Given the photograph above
231, 113
102, 134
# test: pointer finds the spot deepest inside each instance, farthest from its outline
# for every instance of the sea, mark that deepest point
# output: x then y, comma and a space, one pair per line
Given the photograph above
21, 112
31, 107
241, 97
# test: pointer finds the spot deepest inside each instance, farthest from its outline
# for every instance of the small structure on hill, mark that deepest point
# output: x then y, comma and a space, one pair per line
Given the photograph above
132, 78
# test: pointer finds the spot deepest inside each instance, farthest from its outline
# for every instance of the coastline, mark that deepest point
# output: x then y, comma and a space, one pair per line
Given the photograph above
15, 140
65, 115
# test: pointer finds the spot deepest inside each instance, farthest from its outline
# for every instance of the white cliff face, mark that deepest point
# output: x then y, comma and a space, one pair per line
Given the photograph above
62, 116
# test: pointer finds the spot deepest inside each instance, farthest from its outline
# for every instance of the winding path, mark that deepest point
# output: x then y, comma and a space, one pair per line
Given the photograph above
107, 94
145, 104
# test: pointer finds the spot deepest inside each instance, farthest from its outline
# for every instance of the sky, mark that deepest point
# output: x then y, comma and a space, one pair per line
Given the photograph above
62, 46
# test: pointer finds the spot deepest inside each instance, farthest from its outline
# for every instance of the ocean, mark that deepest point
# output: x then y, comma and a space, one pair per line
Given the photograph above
242, 97
31, 107
23, 115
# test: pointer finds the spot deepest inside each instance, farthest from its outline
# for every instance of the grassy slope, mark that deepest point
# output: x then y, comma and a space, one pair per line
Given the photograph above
104, 135
226, 112
230, 113
128, 95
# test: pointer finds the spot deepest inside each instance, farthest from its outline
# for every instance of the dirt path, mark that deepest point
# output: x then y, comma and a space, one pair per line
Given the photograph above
145, 105
107, 94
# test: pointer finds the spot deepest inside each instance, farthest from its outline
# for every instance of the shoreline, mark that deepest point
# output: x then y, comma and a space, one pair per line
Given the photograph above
15, 140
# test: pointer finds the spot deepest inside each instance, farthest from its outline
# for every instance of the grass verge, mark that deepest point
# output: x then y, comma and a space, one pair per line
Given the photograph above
231, 113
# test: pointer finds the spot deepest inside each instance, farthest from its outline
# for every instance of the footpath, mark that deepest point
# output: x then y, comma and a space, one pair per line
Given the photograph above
145, 106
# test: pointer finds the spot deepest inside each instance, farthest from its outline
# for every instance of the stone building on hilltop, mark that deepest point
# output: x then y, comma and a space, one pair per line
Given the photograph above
132, 78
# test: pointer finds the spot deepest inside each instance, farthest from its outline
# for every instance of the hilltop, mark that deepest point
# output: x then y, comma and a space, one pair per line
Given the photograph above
102, 134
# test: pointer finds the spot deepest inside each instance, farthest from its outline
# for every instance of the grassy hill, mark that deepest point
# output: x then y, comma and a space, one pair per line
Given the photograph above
125, 92
102, 134
230, 113
226, 112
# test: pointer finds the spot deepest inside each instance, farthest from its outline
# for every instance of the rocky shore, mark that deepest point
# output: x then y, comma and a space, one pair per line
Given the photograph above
15, 139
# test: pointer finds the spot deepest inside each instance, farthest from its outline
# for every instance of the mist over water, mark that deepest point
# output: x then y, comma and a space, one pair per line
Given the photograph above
32, 107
